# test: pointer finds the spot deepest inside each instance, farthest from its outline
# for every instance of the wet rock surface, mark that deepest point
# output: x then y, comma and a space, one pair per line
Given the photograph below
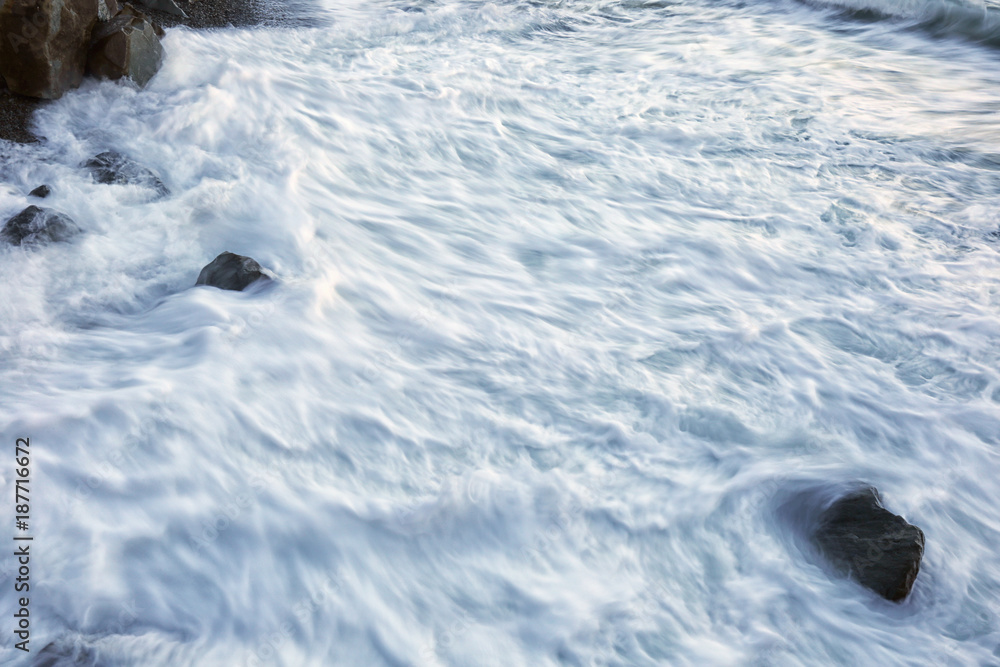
126, 46
877, 548
232, 272
112, 167
38, 225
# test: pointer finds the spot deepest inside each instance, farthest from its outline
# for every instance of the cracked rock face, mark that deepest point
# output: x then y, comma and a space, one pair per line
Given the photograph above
877, 548
231, 271
126, 46
38, 225
44, 44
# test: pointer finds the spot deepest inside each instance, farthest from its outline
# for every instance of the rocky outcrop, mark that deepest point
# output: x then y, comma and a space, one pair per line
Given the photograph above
38, 225
231, 271
44, 43
113, 167
877, 548
42, 191
126, 46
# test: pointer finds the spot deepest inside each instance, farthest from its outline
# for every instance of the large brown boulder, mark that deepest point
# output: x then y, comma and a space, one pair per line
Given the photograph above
38, 225
126, 46
44, 43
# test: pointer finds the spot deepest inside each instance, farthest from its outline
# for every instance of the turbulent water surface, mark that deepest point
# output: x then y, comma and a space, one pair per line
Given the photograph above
575, 303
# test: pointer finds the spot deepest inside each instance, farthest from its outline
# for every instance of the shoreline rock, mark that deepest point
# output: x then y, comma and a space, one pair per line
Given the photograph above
878, 549
39, 225
111, 167
126, 46
45, 44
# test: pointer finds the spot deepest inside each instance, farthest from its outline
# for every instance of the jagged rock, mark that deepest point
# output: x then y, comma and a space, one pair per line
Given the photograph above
113, 167
168, 6
126, 46
44, 43
107, 9
38, 225
231, 271
66, 653
42, 191
871, 544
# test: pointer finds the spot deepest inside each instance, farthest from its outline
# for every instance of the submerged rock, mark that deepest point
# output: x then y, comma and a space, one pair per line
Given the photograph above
871, 544
113, 167
231, 271
44, 43
106, 9
38, 225
126, 46
42, 191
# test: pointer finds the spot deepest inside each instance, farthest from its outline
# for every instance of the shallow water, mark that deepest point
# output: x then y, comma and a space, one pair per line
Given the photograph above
575, 303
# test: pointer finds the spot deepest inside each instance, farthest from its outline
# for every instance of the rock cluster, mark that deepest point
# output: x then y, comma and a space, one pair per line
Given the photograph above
49, 44
871, 544
37, 225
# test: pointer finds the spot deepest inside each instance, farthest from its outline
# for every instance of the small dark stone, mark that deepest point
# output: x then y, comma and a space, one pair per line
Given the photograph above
113, 167
231, 271
42, 191
871, 544
38, 225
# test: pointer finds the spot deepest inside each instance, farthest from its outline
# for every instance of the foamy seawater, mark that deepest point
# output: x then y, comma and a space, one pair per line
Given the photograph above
573, 301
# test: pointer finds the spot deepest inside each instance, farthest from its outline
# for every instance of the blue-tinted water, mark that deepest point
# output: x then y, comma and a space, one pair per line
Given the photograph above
573, 300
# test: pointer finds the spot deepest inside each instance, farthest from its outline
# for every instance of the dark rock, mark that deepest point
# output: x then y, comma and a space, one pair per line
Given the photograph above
44, 46
871, 544
38, 225
231, 271
42, 191
113, 167
125, 46
166, 6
